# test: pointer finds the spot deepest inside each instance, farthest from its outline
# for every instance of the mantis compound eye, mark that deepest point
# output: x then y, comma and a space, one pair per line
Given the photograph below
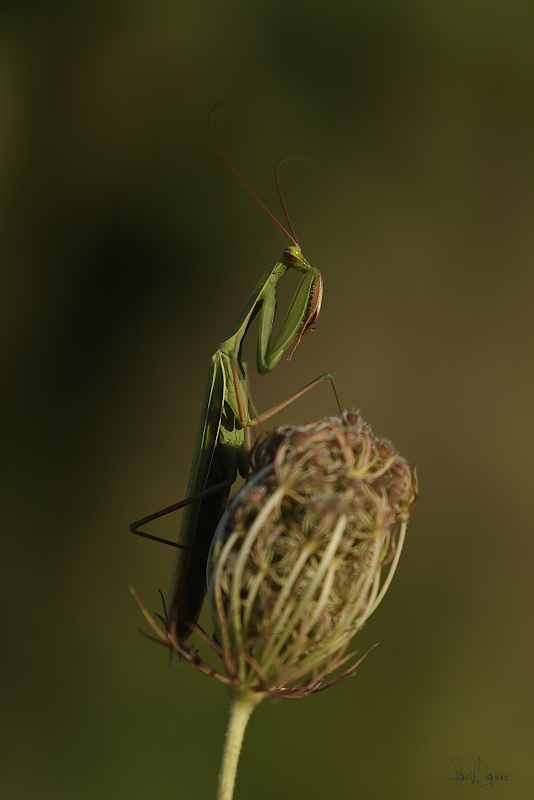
292, 255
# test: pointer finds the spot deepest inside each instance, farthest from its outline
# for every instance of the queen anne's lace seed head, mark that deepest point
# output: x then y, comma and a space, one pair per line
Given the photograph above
296, 563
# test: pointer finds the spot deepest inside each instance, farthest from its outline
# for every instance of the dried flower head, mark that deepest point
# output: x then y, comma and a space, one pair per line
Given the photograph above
297, 560
297, 563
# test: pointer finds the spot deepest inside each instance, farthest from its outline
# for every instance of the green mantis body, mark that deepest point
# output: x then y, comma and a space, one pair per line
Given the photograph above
224, 429
220, 451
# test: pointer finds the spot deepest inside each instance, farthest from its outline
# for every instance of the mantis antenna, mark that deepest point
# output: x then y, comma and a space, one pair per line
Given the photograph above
247, 186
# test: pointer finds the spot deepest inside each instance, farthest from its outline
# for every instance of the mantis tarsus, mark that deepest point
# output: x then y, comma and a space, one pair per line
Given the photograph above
224, 432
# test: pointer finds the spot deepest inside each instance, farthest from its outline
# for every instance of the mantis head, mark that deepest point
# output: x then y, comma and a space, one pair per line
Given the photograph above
292, 256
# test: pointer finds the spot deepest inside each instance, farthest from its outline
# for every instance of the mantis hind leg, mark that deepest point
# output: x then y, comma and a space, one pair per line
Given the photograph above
247, 423
134, 526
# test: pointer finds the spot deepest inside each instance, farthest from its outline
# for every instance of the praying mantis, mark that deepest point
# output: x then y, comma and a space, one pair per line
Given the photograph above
227, 418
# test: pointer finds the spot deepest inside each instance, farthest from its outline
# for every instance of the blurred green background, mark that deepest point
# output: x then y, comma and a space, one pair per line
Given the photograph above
129, 247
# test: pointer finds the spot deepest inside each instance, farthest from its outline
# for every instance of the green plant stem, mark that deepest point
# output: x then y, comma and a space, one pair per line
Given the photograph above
242, 704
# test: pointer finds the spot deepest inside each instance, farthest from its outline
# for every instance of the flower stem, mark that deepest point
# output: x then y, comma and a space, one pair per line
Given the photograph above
242, 704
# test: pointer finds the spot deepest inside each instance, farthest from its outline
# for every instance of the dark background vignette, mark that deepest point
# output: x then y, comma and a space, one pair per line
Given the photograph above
128, 249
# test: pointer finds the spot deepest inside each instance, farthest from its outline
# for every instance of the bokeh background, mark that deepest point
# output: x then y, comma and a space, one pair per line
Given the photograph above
129, 247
